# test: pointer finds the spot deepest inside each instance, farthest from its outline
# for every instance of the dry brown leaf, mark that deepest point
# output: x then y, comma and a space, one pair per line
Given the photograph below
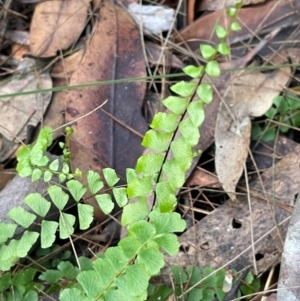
110, 136
19, 112
18, 51
65, 67
250, 94
18, 37
56, 25
61, 74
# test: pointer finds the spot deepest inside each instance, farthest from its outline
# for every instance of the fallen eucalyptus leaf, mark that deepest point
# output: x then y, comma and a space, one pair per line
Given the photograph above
112, 133
19, 112
250, 94
65, 67
56, 25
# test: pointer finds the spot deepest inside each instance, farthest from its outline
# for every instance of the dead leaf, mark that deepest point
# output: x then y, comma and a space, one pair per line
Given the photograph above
19, 112
61, 74
221, 4
250, 94
56, 25
17, 36
18, 51
105, 138
65, 67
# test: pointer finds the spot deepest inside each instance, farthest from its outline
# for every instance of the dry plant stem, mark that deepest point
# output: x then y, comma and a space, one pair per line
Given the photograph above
261, 45
122, 123
188, 208
61, 57
191, 11
278, 123
83, 116
187, 51
268, 282
267, 199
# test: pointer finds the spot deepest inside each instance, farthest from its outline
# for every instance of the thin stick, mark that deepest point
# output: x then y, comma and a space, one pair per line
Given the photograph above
251, 223
83, 116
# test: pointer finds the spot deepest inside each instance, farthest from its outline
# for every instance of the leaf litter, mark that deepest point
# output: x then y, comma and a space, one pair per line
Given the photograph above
115, 130
224, 236
56, 25
20, 112
100, 137
249, 94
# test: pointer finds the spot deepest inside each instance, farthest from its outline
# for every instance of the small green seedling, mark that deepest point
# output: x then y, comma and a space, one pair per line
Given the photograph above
285, 111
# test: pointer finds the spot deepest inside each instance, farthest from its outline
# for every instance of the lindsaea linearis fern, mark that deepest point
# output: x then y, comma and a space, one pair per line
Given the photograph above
123, 272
